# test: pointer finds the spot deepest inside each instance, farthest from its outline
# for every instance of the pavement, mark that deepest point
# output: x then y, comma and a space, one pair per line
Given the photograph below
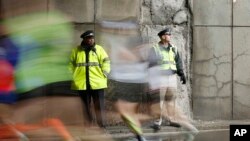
207, 129
217, 130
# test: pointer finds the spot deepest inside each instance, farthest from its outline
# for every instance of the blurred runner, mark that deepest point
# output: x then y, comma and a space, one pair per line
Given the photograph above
7, 129
8, 61
43, 41
129, 72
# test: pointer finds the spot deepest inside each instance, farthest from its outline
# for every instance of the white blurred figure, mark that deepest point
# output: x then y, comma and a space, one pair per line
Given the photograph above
128, 71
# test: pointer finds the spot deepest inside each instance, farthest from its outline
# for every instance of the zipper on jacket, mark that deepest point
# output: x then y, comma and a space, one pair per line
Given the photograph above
88, 87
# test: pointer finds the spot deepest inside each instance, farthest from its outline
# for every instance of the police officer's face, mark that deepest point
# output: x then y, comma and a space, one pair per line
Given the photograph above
166, 37
90, 40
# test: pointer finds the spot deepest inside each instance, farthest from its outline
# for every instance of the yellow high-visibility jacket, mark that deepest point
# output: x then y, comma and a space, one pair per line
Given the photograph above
168, 58
99, 67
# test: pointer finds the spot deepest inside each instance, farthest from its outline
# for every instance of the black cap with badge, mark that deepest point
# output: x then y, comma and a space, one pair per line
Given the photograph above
88, 33
166, 31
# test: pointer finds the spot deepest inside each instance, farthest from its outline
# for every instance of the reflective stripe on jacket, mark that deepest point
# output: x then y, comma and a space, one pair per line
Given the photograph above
99, 67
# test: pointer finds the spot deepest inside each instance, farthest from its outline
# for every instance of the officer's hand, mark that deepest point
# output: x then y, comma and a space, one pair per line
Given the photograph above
183, 79
182, 76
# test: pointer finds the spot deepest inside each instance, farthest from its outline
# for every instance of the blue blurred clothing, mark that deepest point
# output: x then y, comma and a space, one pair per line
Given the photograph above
8, 60
8, 50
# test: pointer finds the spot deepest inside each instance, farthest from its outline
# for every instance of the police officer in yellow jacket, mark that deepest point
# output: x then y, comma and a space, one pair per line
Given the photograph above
164, 64
90, 66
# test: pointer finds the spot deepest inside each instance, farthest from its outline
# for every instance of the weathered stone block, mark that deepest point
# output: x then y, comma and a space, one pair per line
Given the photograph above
212, 12
117, 10
11, 8
241, 71
241, 13
180, 17
212, 84
163, 11
212, 108
146, 15
79, 10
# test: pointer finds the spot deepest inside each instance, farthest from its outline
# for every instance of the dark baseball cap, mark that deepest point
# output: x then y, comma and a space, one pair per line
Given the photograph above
166, 31
88, 33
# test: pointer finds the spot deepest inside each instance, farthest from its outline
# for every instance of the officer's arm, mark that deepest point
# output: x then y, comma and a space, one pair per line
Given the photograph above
105, 63
179, 66
178, 63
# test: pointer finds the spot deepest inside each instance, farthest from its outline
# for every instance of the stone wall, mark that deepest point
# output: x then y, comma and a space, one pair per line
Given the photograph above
220, 59
211, 35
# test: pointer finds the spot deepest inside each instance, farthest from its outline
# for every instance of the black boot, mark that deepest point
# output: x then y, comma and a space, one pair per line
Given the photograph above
140, 138
174, 124
156, 127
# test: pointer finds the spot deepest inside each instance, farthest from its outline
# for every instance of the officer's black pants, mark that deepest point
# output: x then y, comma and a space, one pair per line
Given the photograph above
98, 100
